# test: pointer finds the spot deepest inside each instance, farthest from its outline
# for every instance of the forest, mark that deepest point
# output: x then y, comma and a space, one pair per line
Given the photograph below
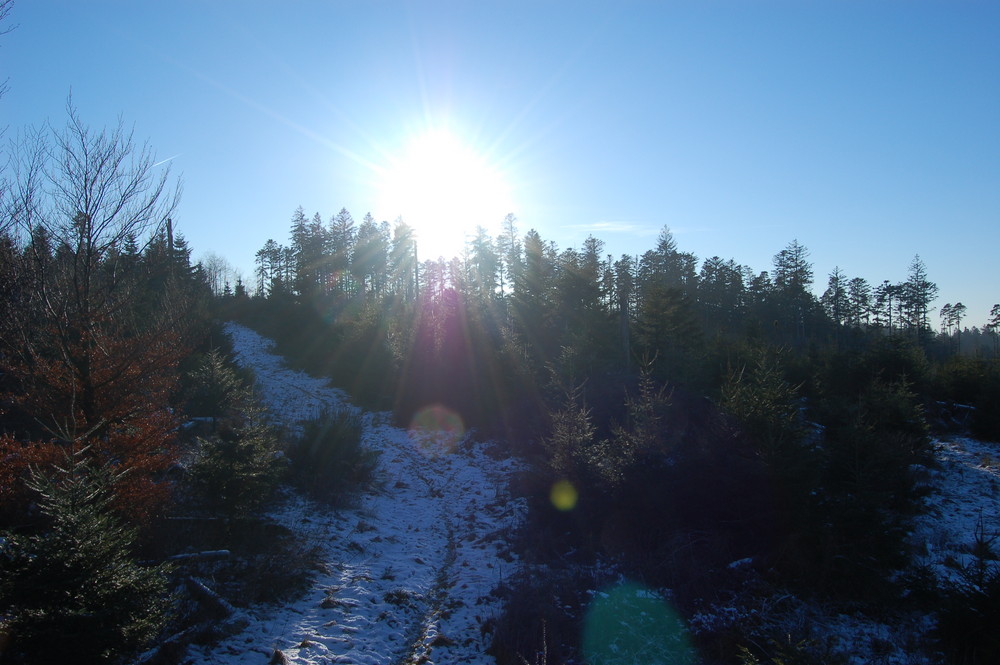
505, 331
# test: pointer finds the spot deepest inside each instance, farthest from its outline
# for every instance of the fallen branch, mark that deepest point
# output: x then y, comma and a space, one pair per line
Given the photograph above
208, 597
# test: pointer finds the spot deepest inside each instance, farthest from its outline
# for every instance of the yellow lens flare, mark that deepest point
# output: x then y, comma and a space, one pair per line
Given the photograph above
564, 495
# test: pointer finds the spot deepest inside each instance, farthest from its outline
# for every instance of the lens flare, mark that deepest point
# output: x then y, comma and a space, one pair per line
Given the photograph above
437, 428
564, 495
631, 624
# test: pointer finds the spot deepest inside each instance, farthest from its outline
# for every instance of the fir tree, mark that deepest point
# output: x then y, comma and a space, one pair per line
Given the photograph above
73, 592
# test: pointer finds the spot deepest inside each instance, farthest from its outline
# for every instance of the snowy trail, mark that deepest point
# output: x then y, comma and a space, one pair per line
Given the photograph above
409, 571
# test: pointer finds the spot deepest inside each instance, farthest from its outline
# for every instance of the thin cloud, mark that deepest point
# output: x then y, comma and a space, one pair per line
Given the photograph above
616, 226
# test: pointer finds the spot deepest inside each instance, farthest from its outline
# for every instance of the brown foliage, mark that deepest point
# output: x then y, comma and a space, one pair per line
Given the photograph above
90, 380
104, 391
110, 393
94, 329
16, 459
144, 449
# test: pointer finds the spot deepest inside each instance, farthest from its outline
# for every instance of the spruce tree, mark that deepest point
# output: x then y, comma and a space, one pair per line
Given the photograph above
917, 294
239, 468
73, 591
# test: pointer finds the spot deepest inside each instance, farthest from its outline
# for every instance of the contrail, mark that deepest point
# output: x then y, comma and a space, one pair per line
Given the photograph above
164, 161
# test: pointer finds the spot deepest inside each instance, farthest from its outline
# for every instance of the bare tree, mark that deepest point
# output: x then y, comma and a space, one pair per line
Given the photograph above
219, 272
81, 202
108, 180
5, 6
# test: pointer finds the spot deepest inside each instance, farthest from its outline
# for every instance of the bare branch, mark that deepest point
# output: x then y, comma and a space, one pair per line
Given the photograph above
5, 6
110, 185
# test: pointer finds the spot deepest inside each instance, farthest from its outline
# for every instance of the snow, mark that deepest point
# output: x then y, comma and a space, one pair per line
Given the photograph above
965, 498
962, 496
409, 570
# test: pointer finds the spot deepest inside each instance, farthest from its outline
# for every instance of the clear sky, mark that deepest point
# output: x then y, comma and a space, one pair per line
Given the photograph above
869, 131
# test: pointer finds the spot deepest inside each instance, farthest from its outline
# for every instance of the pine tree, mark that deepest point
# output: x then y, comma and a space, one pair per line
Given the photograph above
793, 272
884, 308
213, 387
371, 256
238, 469
271, 269
917, 294
73, 592
342, 236
951, 321
835, 298
624, 304
403, 265
531, 305
993, 325
766, 407
484, 267
572, 434
240, 290
509, 250
666, 267
721, 293
305, 256
859, 297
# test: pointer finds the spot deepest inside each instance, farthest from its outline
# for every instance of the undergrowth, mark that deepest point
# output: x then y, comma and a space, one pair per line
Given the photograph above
329, 459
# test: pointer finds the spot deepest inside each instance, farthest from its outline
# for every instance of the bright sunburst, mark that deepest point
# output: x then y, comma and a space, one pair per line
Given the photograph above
444, 189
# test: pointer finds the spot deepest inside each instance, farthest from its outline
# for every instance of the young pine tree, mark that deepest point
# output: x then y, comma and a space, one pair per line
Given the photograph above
73, 591
239, 468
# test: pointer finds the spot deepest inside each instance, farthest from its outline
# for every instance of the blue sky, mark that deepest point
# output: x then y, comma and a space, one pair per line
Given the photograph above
869, 131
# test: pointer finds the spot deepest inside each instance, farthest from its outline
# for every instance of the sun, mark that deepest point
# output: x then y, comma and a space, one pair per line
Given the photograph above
444, 189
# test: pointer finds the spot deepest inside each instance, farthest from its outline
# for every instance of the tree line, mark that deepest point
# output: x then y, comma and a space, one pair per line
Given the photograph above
542, 302
338, 259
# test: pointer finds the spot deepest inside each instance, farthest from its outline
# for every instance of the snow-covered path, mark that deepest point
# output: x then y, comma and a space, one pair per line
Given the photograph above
408, 572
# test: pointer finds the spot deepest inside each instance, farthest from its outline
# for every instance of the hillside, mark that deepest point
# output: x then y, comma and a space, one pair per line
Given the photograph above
409, 573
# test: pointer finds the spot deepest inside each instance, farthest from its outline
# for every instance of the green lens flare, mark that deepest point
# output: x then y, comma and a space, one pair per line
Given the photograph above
631, 624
